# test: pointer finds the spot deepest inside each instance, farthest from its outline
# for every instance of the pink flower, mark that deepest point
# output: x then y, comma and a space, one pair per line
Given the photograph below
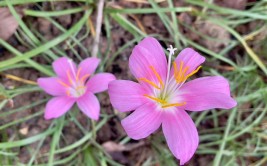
162, 96
71, 86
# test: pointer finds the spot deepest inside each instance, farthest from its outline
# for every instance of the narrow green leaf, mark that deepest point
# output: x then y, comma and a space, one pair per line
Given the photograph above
47, 45
53, 13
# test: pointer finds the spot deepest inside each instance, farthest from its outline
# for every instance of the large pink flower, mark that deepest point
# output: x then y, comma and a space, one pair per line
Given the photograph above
162, 96
73, 85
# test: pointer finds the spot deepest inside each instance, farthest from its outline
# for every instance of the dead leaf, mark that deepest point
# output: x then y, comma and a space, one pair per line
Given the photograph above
111, 146
11, 103
24, 130
8, 24
220, 36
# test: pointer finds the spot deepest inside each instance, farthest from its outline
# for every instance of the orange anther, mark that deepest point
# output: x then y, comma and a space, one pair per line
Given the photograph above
85, 77
62, 83
156, 99
149, 82
157, 75
173, 105
78, 74
180, 76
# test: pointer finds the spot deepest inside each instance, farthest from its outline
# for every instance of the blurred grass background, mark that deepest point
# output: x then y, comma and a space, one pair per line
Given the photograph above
233, 40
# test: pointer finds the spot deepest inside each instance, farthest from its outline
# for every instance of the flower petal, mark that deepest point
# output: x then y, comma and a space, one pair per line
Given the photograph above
126, 95
51, 86
190, 59
147, 54
88, 66
99, 82
143, 121
89, 105
64, 65
207, 93
58, 106
181, 134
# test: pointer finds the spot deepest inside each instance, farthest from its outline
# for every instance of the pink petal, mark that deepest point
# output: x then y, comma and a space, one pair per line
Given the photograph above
190, 58
51, 86
207, 93
143, 121
181, 135
126, 95
64, 65
148, 53
89, 105
58, 106
99, 82
88, 66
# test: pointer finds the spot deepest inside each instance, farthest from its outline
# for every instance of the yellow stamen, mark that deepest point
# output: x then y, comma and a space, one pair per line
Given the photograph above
149, 82
180, 76
164, 102
156, 99
68, 92
157, 75
192, 73
173, 105
69, 77
79, 87
78, 74
85, 77
180, 71
175, 70
62, 83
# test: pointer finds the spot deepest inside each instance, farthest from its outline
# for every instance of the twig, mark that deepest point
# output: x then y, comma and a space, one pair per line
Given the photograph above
12, 77
98, 27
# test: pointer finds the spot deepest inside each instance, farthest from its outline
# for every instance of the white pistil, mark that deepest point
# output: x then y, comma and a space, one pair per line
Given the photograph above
171, 50
72, 68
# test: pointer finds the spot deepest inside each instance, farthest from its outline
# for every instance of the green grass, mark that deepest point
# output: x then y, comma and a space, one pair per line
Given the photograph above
234, 137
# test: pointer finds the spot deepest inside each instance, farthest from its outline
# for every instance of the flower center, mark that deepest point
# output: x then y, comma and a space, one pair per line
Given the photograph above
76, 83
164, 103
164, 93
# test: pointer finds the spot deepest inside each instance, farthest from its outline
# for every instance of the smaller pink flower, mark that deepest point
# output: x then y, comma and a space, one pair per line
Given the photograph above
162, 95
73, 85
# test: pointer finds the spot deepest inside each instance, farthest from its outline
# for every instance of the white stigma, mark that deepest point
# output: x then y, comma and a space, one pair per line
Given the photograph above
171, 50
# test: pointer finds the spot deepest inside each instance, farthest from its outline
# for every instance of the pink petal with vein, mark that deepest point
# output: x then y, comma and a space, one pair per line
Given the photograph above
58, 106
51, 86
143, 121
99, 82
148, 53
88, 66
89, 105
181, 135
207, 93
190, 58
126, 95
